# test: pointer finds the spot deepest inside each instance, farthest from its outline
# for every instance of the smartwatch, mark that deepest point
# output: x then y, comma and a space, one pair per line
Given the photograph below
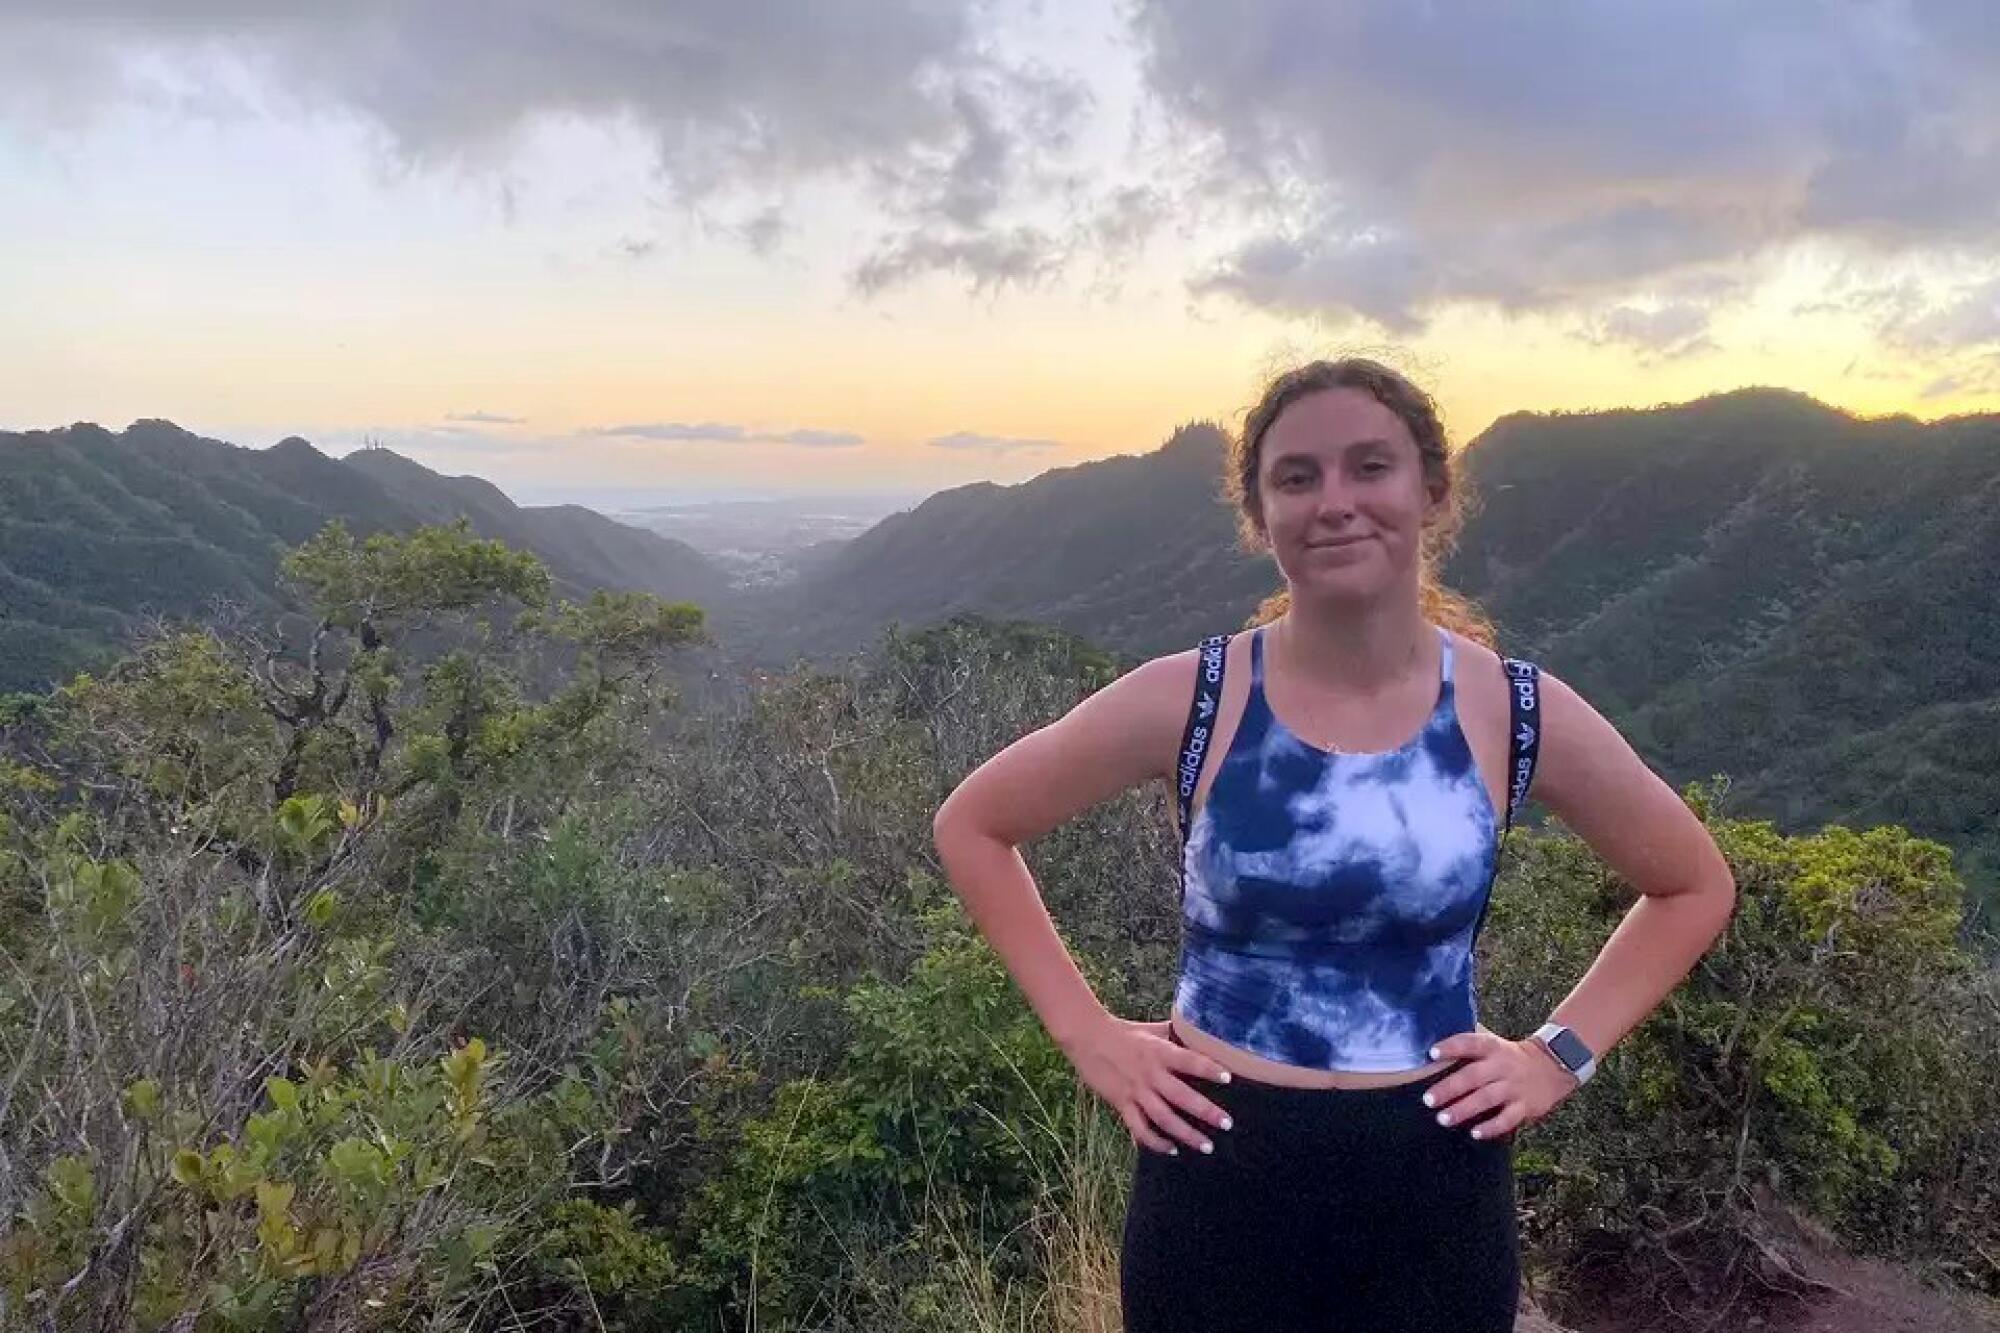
1568, 1049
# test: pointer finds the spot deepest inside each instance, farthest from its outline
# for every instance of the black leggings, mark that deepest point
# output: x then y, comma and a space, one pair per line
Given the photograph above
1323, 1209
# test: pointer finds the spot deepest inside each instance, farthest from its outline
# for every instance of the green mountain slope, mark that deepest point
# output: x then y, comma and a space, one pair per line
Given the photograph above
580, 546
1134, 552
98, 530
1759, 585
1751, 583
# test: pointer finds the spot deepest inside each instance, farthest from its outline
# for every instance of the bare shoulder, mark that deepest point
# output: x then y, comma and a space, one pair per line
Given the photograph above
1580, 746
1593, 780
1482, 692
1483, 683
1589, 776
1581, 753
1478, 666
1481, 688
1149, 703
1123, 734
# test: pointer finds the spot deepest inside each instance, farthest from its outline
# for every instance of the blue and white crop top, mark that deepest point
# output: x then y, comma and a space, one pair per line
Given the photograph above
1331, 900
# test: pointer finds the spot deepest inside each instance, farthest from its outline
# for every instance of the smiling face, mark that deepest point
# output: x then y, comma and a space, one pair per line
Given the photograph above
1343, 496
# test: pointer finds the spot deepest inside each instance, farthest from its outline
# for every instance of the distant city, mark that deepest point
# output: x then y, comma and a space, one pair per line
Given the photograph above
761, 541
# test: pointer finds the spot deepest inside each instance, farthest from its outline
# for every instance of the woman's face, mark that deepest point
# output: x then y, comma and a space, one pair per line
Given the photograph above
1343, 495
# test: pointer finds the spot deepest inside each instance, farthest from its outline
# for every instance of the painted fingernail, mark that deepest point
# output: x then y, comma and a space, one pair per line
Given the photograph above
1206, 1146
1434, 1052
1225, 1076
1428, 1100
1228, 1123
1444, 1117
1173, 1151
1475, 1132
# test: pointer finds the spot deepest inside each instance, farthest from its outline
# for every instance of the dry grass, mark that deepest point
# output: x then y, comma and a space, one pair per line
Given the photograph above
1079, 1241
1075, 1241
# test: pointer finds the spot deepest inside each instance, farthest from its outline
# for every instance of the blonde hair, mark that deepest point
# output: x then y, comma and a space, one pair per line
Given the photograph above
1419, 413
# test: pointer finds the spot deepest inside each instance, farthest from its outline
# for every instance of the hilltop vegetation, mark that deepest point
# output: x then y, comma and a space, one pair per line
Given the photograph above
100, 531
437, 968
1133, 552
1752, 583
1757, 583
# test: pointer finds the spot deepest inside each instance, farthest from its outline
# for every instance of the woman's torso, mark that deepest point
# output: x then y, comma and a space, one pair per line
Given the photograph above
1454, 705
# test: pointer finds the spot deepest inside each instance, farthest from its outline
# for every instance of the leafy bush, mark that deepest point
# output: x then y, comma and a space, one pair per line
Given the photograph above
422, 966
948, 1101
1826, 1055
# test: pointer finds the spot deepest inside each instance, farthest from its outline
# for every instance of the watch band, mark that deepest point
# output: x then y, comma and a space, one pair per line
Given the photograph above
1547, 1034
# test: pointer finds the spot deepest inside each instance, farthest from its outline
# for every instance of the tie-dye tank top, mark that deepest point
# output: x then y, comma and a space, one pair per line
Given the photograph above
1332, 898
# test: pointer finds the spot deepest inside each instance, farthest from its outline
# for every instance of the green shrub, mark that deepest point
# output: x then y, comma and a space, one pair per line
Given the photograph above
1825, 1053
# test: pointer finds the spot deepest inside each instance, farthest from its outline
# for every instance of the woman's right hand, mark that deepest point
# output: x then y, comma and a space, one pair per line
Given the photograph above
1137, 1069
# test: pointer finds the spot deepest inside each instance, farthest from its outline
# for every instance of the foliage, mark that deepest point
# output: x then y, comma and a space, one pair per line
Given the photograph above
949, 1094
247, 1081
1826, 1054
429, 963
388, 577
101, 532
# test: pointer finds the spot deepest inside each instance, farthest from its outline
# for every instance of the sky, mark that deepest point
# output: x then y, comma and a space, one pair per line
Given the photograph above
759, 247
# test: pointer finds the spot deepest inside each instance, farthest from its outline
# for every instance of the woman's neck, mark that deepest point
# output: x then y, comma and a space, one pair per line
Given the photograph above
1355, 649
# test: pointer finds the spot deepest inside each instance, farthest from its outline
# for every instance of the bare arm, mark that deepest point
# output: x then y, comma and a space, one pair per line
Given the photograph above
1123, 735
1592, 780
1640, 827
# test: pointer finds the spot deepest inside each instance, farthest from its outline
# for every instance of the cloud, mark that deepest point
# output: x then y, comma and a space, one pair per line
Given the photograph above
720, 432
1975, 377
673, 430
962, 142
1129, 217
822, 439
1397, 276
1969, 317
1668, 331
485, 419
995, 445
763, 230
1924, 317
989, 260
1382, 278
1390, 159
911, 99
1377, 160
456, 441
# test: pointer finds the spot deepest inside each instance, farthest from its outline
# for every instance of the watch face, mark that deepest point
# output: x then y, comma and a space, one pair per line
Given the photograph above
1569, 1049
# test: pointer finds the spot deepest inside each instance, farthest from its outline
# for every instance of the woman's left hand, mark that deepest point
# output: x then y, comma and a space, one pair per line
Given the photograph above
1518, 1081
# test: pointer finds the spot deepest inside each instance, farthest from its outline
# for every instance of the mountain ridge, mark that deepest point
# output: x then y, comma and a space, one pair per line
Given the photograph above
1750, 582
99, 529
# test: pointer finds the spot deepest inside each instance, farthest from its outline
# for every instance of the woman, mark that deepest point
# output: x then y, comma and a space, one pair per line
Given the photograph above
1346, 1121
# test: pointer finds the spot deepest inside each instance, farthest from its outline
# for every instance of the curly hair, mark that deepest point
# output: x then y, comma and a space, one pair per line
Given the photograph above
1419, 413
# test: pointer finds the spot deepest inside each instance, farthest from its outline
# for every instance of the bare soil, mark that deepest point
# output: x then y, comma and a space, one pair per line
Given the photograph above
1848, 1295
